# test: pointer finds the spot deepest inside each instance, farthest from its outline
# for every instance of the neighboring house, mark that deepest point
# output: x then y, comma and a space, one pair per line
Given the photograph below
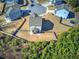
45, 3
12, 13
22, 2
62, 11
50, 2
2, 5
37, 8
35, 24
56, 2
9, 3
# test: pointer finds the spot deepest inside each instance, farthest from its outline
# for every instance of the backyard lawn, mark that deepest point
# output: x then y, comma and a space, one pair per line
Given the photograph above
11, 27
50, 25
48, 34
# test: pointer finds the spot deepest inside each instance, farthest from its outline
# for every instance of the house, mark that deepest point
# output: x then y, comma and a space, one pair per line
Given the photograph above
9, 3
22, 2
57, 2
62, 11
12, 13
50, 2
35, 24
2, 5
37, 8
44, 3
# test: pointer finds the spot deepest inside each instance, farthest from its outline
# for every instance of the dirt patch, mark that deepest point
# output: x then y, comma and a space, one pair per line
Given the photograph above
47, 35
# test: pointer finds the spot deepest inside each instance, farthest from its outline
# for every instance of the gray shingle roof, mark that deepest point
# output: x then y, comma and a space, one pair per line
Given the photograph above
13, 12
35, 20
37, 8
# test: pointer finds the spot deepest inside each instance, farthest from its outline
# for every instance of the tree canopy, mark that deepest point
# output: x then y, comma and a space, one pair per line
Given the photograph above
74, 4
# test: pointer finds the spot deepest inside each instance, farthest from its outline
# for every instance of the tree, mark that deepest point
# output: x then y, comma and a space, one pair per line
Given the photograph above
67, 45
77, 9
72, 3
